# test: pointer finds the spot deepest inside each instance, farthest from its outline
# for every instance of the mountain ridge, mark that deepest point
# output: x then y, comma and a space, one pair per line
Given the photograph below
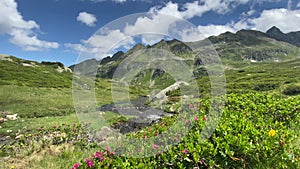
244, 45
291, 37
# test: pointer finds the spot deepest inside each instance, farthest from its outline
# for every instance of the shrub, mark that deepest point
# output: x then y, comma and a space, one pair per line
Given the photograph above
292, 90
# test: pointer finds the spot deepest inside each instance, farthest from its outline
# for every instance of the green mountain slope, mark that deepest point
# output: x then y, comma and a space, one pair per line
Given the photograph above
243, 46
15, 71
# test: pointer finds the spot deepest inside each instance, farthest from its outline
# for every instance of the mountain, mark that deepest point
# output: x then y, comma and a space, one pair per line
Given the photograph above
244, 45
252, 45
292, 37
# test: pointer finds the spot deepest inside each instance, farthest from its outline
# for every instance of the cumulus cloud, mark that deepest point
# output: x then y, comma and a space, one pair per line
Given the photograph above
102, 43
201, 32
284, 19
21, 31
87, 18
196, 8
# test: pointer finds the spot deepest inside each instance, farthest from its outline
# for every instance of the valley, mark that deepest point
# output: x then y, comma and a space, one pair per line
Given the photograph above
258, 126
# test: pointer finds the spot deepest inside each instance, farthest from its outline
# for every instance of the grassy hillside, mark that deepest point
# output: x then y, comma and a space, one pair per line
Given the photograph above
15, 71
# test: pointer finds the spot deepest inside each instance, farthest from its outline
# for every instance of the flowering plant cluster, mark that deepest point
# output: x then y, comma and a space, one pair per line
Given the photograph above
255, 131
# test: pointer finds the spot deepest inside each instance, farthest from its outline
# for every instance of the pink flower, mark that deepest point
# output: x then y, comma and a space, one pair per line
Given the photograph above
156, 133
196, 118
39, 129
107, 148
187, 121
176, 139
101, 157
54, 126
154, 146
75, 130
75, 166
89, 163
185, 151
96, 155
191, 105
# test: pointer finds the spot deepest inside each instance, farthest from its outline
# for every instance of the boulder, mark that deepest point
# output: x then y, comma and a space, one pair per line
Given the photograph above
2, 120
12, 117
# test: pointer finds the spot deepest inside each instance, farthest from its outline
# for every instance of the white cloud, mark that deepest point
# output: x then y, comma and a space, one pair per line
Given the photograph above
21, 32
151, 27
202, 32
119, 1
28, 42
285, 20
298, 5
87, 18
196, 8
102, 43
249, 13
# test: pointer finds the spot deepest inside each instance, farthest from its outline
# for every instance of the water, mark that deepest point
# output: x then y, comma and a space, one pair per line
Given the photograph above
144, 115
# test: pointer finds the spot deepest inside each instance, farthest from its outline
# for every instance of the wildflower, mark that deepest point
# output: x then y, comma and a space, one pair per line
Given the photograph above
156, 134
272, 132
39, 129
204, 118
89, 163
12, 167
101, 157
187, 121
191, 105
176, 139
154, 146
74, 130
107, 148
196, 118
96, 155
185, 151
75, 166
54, 126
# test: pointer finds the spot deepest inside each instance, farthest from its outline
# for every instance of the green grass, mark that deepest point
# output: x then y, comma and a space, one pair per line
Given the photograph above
29, 102
41, 75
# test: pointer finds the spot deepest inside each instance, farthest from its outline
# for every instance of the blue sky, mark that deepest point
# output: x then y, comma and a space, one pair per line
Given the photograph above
61, 30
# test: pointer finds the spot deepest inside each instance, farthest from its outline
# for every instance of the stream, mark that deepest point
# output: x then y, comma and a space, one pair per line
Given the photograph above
144, 115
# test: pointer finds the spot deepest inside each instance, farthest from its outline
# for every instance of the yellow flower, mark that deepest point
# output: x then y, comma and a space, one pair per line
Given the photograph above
272, 132
12, 167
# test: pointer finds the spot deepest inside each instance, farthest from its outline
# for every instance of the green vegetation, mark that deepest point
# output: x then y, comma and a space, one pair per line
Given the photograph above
259, 125
26, 73
255, 131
